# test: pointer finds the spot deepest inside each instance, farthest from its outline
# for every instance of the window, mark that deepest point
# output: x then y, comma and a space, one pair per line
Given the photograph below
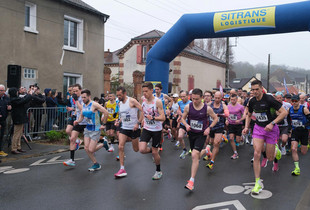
144, 52
71, 79
31, 18
29, 73
73, 34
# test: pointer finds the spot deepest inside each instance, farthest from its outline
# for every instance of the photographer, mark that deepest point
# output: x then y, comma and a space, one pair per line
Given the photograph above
37, 104
4, 108
19, 117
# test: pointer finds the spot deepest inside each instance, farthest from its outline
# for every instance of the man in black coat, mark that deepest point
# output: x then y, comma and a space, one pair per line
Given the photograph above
4, 108
36, 104
19, 117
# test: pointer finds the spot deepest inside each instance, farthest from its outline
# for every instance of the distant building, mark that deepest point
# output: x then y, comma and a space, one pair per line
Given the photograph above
56, 43
192, 68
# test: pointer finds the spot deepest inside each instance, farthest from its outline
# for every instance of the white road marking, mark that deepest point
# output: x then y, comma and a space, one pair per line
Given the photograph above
51, 161
235, 203
15, 171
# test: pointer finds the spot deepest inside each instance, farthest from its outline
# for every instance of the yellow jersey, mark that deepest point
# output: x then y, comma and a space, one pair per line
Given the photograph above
111, 110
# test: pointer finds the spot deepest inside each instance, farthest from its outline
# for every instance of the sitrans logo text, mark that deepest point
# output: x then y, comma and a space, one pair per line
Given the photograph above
233, 20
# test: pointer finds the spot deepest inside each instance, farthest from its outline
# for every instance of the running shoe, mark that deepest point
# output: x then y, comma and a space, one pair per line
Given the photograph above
247, 141
257, 188
3, 154
234, 156
78, 143
95, 167
210, 165
296, 172
225, 138
237, 144
278, 153
169, 134
275, 167
252, 160
241, 143
157, 175
117, 157
121, 173
208, 151
177, 144
206, 158
189, 185
160, 149
283, 151
69, 163
264, 162
111, 148
106, 144
183, 154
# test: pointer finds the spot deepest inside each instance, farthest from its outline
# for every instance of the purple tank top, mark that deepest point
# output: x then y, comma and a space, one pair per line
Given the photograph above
197, 119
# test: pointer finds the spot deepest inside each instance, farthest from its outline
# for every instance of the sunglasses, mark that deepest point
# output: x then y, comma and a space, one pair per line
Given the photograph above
294, 101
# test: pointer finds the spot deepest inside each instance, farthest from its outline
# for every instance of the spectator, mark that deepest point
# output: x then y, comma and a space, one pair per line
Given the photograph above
4, 108
37, 103
19, 117
51, 103
102, 100
96, 99
61, 111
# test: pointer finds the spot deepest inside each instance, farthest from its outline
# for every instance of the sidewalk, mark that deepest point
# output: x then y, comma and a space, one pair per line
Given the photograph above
37, 149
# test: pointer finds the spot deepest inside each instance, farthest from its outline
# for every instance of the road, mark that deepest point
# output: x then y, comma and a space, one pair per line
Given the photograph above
44, 183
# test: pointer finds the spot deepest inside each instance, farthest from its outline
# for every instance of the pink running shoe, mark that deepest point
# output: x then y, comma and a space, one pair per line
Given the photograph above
121, 173
264, 162
275, 167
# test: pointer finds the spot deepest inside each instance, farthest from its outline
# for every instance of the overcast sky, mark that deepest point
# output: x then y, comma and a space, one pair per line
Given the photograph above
131, 18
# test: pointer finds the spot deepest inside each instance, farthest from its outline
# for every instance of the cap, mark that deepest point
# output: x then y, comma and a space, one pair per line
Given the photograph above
295, 97
226, 96
288, 96
279, 93
175, 95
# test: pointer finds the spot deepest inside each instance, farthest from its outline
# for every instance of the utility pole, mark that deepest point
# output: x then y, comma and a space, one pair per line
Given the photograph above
268, 74
227, 64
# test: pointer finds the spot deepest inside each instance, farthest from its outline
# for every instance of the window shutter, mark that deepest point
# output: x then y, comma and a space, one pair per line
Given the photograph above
139, 54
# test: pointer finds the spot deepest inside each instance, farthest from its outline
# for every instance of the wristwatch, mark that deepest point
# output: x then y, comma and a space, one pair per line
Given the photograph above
273, 123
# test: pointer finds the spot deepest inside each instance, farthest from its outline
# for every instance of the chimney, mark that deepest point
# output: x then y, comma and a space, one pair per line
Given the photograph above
107, 53
258, 76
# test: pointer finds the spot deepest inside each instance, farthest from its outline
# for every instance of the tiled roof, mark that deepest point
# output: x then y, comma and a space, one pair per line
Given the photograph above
112, 58
150, 34
244, 81
83, 5
198, 51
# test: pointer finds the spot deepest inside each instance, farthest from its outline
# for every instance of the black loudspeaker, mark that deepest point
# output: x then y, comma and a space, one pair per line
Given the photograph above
169, 87
14, 76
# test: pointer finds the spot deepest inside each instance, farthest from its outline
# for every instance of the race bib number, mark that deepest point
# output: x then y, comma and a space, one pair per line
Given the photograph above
127, 118
89, 121
110, 111
149, 122
297, 123
197, 125
233, 117
261, 117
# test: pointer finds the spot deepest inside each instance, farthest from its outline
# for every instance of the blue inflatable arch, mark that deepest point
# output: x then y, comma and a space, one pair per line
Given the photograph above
246, 22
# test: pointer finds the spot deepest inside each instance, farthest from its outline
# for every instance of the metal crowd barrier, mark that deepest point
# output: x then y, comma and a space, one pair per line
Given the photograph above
44, 119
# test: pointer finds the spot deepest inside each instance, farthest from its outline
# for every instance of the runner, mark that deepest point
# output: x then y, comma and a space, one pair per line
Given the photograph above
112, 108
265, 129
162, 97
197, 113
234, 123
216, 132
76, 129
91, 112
152, 125
283, 125
130, 126
182, 130
300, 116
174, 116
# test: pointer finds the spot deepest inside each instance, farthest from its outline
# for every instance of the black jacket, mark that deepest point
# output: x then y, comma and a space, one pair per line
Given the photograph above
37, 100
4, 102
19, 110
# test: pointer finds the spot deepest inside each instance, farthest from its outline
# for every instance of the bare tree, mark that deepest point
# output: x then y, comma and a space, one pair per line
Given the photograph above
216, 47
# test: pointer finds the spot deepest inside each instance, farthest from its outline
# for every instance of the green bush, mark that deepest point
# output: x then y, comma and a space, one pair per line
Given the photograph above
54, 135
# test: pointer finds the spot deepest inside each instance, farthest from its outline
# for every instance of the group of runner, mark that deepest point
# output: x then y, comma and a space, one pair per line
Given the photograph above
203, 117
